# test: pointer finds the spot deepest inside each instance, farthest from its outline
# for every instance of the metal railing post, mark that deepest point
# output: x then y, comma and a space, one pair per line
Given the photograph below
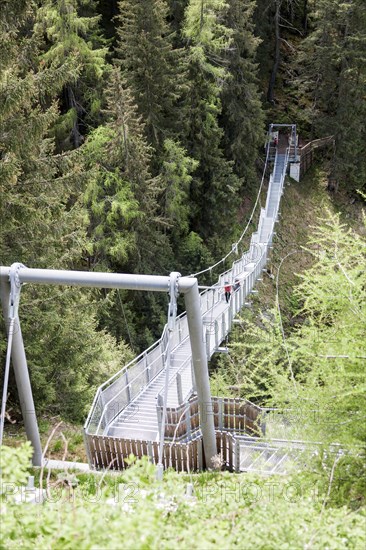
237, 455
188, 422
179, 388
220, 413
193, 377
207, 337
128, 388
147, 369
159, 410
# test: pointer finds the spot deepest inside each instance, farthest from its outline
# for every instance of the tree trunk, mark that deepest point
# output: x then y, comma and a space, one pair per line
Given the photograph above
305, 17
76, 137
272, 80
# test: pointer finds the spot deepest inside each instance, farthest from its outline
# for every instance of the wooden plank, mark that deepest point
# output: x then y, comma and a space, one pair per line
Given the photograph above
156, 452
96, 456
123, 463
178, 457
116, 454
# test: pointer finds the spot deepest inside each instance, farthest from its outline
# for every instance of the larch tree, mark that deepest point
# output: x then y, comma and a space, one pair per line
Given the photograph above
313, 372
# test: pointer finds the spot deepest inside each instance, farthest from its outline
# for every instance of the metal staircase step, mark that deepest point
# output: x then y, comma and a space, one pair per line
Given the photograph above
139, 419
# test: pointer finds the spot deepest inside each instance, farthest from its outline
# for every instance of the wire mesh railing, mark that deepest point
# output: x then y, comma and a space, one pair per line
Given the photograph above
120, 390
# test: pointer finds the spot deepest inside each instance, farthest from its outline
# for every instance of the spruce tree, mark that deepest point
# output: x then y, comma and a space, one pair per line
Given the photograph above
151, 67
242, 114
176, 178
332, 66
66, 33
43, 225
215, 186
126, 224
176, 19
121, 192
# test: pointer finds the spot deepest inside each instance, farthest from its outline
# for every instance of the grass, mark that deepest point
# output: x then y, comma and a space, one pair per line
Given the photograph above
303, 204
15, 436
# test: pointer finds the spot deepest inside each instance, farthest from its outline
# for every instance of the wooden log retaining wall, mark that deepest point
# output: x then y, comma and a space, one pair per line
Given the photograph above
307, 153
232, 414
111, 453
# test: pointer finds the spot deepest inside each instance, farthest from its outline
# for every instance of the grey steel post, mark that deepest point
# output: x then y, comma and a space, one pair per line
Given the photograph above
188, 286
179, 388
188, 420
22, 377
159, 410
193, 379
128, 387
237, 455
207, 338
195, 324
217, 342
294, 138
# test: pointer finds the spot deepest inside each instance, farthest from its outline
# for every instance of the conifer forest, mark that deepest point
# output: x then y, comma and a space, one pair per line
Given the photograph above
132, 140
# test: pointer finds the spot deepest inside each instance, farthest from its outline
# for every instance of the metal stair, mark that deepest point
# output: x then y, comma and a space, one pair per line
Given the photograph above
125, 407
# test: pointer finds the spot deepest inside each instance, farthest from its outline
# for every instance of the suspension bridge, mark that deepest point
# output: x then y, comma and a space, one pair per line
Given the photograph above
160, 405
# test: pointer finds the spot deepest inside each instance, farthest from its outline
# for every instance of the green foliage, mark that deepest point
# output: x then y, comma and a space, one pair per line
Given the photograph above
315, 369
215, 186
150, 66
121, 194
203, 26
14, 464
194, 254
330, 350
66, 35
224, 511
68, 356
166, 145
332, 67
242, 115
176, 177
44, 224
111, 204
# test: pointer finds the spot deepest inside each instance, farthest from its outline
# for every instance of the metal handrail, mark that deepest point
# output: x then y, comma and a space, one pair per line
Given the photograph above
129, 384
245, 259
172, 380
125, 368
173, 376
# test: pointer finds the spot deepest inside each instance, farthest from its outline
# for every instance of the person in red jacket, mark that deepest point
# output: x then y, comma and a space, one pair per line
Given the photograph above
227, 289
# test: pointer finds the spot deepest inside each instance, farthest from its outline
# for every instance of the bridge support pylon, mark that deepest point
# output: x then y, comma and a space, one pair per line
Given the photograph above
22, 376
200, 366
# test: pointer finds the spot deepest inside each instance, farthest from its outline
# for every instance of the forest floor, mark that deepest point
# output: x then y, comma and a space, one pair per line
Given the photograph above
303, 205
53, 430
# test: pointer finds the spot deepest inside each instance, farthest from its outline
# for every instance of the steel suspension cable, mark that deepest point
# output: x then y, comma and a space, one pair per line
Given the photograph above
6, 378
235, 246
172, 315
125, 319
15, 287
